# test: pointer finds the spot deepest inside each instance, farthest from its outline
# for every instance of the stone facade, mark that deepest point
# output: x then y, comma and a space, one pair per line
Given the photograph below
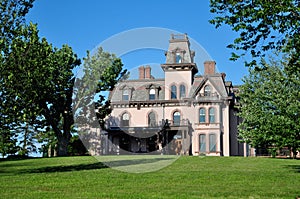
183, 113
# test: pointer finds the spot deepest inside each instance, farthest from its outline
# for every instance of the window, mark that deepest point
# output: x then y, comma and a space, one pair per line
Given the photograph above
212, 115
202, 115
182, 91
125, 119
151, 119
202, 143
176, 118
212, 143
178, 58
125, 96
207, 90
152, 94
173, 92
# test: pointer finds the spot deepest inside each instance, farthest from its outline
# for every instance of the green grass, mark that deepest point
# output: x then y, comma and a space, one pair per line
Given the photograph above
187, 177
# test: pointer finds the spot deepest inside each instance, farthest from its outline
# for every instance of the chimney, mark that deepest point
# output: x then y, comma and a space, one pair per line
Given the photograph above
141, 72
209, 67
147, 72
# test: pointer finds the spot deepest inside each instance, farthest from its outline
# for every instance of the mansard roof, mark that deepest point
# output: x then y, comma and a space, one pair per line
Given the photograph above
139, 89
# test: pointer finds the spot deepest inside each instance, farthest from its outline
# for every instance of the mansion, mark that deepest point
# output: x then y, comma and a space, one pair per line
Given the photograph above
182, 113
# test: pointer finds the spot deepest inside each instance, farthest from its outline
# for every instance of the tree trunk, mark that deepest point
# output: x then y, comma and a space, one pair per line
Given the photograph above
49, 151
294, 152
63, 143
63, 137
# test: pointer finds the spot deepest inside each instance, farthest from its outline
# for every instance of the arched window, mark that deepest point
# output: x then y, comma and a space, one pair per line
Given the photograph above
176, 118
152, 94
182, 91
212, 143
125, 119
125, 96
207, 90
173, 92
151, 119
178, 58
202, 115
212, 115
202, 143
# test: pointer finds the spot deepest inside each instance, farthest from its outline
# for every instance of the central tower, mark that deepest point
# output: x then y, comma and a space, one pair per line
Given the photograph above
179, 67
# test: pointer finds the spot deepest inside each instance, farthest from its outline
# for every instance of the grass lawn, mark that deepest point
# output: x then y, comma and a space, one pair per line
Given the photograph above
187, 177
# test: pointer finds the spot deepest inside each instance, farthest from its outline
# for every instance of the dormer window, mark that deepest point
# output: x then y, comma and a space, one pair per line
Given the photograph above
207, 90
152, 94
125, 96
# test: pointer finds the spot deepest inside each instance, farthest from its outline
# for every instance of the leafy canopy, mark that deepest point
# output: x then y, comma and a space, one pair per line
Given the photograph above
262, 25
270, 107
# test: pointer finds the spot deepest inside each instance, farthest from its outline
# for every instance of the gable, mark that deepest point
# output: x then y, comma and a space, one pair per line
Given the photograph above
213, 84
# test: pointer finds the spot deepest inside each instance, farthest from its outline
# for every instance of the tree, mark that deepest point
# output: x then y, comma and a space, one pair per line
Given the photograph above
76, 146
270, 107
12, 17
101, 72
8, 142
40, 77
270, 95
262, 26
48, 142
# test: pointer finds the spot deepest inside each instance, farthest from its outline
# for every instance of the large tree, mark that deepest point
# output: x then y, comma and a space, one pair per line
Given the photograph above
270, 107
12, 18
262, 25
270, 96
41, 78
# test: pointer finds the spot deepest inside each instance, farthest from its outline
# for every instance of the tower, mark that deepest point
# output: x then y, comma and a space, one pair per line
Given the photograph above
179, 67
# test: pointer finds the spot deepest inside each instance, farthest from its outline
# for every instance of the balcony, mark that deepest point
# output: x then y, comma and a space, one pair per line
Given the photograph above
154, 126
206, 97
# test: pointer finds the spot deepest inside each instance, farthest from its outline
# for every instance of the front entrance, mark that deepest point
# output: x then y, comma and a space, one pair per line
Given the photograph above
170, 142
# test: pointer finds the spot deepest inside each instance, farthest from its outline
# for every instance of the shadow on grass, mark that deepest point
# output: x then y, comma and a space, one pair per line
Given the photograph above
128, 162
295, 168
80, 167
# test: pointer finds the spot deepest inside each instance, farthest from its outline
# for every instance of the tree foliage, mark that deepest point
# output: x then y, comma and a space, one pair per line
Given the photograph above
37, 81
12, 18
12, 15
270, 94
101, 72
40, 78
262, 25
270, 107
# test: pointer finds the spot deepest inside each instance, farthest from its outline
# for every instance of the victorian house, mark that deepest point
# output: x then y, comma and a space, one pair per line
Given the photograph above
182, 113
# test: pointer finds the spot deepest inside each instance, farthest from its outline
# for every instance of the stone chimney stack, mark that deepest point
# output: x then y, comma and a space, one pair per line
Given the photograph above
141, 72
209, 67
147, 72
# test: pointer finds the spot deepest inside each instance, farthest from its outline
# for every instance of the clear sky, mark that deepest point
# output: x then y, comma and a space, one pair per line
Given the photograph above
84, 24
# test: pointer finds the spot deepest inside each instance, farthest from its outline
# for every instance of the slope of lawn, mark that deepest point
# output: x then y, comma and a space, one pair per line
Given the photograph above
187, 177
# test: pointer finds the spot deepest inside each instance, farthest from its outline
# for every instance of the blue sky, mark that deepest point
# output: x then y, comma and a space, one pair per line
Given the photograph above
84, 24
